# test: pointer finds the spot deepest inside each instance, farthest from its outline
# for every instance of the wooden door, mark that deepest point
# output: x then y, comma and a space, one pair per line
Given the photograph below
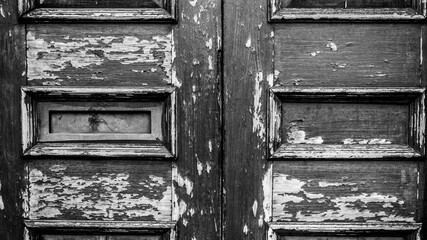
212, 120
111, 120
324, 119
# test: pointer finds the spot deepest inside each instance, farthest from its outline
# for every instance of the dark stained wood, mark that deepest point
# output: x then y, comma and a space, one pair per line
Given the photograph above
345, 123
350, 191
12, 76
100, 3
197, 41
386, 55
100, 190
130, 55
248, 74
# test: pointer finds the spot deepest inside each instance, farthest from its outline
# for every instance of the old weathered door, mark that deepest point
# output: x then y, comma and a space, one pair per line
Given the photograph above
323, 119
111, 120
212, 119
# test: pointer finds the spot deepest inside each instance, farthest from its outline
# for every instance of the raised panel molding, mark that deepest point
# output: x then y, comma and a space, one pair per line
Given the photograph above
32, 11
283, 11
102, 137
376, 147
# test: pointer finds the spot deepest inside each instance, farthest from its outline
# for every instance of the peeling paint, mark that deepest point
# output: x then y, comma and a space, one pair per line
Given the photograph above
332, 46
258, 126
199, 167
367, 141
299, 137
1, 199
315, 53
210, 63
209, 44
186, 183
2, 12
61, 57
101, 196
255, 208
267, 191
208, 167
248, 42
193, 2
245, 229
210, 145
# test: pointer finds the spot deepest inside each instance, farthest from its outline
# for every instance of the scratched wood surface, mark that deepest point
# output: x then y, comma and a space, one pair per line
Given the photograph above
386, 55
198, 187
100, 190
101, 55
12, 76
349, 191
101, 3
248, 73
350, 123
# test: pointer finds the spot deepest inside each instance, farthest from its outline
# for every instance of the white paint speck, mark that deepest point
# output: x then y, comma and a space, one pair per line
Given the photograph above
332, 46
255, 208
245, 229
209, 43
208, 167
315, 53
210, 145
249, 42
1, 200
199, 167
210, 63
299, 137
2, 12
193, 2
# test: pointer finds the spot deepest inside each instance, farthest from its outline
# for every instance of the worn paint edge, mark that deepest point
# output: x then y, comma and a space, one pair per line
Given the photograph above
175, 205
344, 227
26, 121
267, 186
41, 224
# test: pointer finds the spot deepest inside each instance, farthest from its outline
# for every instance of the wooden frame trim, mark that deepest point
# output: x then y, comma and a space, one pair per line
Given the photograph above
414, 97
411, 230
31, 13
278, 14
146, 148
35, 227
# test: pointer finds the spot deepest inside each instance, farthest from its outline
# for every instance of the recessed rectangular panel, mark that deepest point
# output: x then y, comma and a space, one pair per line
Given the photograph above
101, 3
129, 237
99, 122
345, 4
367, 55
320, 237
71, 237
345, 123
119, 190
349, 191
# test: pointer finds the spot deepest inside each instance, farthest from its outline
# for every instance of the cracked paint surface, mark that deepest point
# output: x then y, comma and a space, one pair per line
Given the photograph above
335, 191
67, 56
100, 191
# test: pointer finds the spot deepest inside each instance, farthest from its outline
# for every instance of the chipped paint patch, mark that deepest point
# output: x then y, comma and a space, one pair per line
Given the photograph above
209, 43
267, 189
193, 2
2, 12
255, 208
54, 59
248, 42
299, 137
366, 141
258, 126
245, 229
315, 53
332, 46
60, 191
186, 183
199, 167
1, 199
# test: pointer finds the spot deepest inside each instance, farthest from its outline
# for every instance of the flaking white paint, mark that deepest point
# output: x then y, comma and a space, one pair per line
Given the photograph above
258, 126
255, 208
1, 199
248, 42
245, 229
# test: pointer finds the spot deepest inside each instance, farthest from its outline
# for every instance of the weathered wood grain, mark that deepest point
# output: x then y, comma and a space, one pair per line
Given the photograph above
346, 152
197, 45
72, 15
386, 55
345, 4
345, 123
101, 3
348, 14
143, 150
350, 191
325, 237
99, 56
248, 74
100, 190
12, 76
